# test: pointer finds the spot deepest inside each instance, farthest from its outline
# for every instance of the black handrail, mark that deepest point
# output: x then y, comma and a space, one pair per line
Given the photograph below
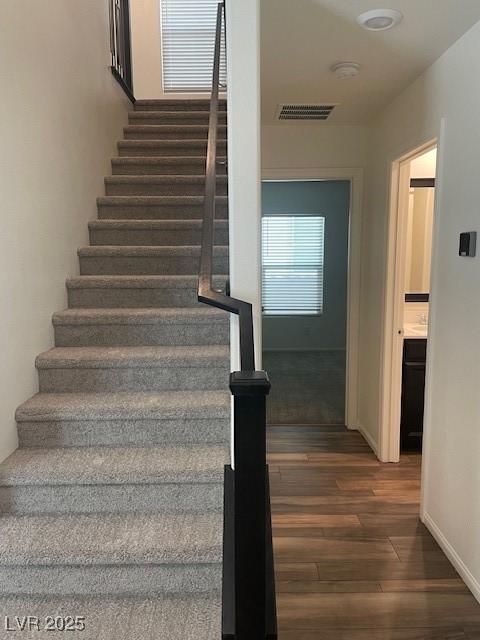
206, 292
248, 589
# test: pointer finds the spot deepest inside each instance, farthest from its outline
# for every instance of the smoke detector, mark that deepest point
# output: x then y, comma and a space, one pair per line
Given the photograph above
345, 70
379, 19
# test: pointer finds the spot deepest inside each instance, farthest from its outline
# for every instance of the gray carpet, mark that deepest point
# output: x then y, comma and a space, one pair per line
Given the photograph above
168, 617
112, 507
307, 387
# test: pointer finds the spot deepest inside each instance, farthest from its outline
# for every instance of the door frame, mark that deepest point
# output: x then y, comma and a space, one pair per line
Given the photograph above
355, 177
392, 347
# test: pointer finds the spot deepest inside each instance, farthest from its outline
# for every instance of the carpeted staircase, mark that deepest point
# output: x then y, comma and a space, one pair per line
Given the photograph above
112, 505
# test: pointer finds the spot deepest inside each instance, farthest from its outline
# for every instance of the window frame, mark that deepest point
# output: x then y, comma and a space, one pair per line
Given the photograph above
292, 314
182, 89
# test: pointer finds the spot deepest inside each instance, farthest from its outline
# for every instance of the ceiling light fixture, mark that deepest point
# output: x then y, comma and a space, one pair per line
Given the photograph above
344, 70
379, 19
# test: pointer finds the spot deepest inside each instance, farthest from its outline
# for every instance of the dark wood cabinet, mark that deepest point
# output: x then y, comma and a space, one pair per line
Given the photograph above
413, 394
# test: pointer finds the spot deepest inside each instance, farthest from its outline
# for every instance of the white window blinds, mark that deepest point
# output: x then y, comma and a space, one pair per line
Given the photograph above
188, 42
292, 264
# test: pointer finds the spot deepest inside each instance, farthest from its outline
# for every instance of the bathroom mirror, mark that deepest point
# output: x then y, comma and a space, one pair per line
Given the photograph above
419, 239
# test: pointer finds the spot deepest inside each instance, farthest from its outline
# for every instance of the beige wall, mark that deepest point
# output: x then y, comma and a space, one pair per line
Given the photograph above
145, 33
451, 485
60, 114
314, 146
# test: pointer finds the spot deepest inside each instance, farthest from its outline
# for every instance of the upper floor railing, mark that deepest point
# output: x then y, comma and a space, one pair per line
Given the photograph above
248, 591
120, 44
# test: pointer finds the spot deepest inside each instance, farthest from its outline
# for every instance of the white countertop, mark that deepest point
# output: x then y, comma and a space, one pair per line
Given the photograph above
415, 330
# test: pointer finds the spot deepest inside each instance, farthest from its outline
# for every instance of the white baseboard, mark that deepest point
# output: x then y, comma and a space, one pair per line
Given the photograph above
471, 582
373, 444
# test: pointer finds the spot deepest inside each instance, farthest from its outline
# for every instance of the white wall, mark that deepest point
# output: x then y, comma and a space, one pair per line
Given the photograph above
451, 502
243, 65
314, 145
60, 114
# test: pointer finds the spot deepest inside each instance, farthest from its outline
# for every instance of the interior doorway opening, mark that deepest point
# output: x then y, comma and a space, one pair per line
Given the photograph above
304, 299
407, 302
354, 178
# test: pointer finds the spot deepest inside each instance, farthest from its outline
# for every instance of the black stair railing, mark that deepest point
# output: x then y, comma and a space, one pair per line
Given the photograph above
120, 44
248, 590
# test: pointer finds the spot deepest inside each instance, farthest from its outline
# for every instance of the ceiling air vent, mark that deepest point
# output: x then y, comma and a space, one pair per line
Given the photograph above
304, 111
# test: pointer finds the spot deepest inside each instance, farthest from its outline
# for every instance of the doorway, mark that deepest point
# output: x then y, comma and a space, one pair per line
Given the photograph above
407, 302
311, 353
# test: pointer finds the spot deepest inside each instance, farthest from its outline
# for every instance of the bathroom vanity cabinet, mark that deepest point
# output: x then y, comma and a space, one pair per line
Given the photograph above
413, 392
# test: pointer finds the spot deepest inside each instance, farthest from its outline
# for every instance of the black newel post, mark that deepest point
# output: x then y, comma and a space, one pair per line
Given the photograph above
250, 389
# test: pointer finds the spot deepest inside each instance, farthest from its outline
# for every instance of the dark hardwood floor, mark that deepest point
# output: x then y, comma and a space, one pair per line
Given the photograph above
352, 559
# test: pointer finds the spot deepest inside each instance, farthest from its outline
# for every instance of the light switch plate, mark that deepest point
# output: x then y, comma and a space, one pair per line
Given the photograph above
468, 244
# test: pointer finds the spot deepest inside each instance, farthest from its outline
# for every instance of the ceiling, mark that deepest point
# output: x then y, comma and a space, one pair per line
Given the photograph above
302, 39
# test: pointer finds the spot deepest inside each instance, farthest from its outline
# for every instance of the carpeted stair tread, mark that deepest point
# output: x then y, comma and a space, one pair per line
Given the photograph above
177, 104
171, 131
138, 580
139, 282
163, 165
44, 407
179, 143
133, 357
167, 185
174, 316
147, 259
139, 291
155, 201
175, 115
124, 618
153, 232
111, 539
170, 179
152, 224
176, 225
182, 147
114, 465
149, 251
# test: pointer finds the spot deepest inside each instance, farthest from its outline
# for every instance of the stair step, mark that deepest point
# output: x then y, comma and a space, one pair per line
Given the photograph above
168, 479
125, 618
101, 369
136, 291
132, 553
137, 327
153, 232
157, 207
171, 132
132, 148
180, 104
119, 260
161, 185
96, 419
167, 165
173, 117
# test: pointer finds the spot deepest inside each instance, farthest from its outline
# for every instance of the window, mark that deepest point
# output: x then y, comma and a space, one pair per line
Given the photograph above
292, 264
188, 42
